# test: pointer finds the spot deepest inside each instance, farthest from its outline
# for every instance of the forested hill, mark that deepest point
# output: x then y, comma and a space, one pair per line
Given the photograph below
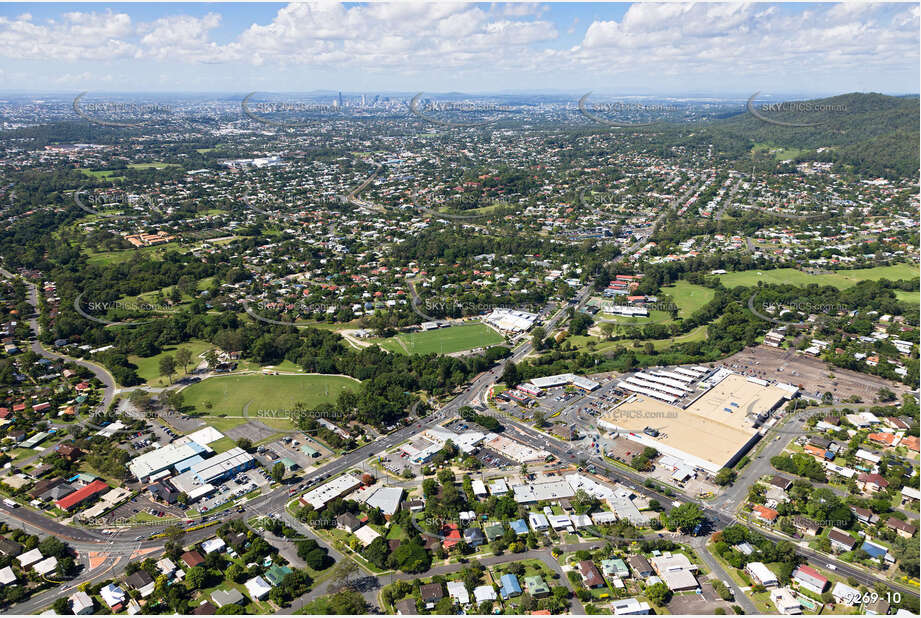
870, 133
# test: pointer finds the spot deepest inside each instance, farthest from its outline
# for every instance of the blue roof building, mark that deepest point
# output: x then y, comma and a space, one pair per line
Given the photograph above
510, 587
520, 526
875, 551
186, 464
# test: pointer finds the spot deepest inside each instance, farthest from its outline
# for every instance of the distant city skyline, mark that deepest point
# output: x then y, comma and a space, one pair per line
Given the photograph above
629, 49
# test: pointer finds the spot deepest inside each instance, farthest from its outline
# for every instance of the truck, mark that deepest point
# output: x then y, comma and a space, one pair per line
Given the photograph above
10, 503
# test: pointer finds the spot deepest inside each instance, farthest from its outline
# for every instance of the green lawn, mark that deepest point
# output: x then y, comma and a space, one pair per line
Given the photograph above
107, 174
223, 444
149, 367
689, 297
150, 297
222, 424
230, 394
443, 340
913, 298
581, 341
780, 153
155, 165
840, 279
124, 255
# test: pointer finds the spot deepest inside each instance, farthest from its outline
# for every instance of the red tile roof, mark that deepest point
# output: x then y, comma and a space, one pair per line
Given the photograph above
764, 512
84, 493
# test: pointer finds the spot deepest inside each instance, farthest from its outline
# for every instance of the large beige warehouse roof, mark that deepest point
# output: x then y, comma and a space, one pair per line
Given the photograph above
705, 433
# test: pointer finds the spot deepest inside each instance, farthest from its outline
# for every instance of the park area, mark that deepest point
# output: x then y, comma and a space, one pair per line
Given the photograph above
443, 340
688, 297
840, 279
259, 393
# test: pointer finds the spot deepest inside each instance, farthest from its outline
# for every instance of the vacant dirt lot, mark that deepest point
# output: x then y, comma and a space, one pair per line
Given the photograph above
813, 374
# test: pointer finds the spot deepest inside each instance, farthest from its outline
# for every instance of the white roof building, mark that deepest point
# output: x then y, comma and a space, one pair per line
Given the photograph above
366, 534
603, 517
220, 465
258, 588
335, 488
479, 488
629, 607
536, 492
205, 435
29, 558
148, 464
212, 545
785, 601
867, 456
458, 592
7, 576
538, 521
81, 603
559, 522
166, 566
45, 566
112, 595
387, 499
845, 595
498, 487
484, 593
760, 572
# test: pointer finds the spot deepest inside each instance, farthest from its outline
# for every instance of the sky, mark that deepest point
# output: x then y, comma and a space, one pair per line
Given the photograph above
641, 48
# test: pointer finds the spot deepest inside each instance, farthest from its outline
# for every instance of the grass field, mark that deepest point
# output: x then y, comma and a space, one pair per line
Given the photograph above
125, 255
581, 342
151, 297
149, 368
225, 424
908, 297
155, 165
107, 174
443, 340
841, 279
689, 297
230, 394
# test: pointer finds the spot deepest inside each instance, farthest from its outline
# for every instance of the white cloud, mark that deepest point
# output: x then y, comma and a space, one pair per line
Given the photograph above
699, 42
76, 36
751, 38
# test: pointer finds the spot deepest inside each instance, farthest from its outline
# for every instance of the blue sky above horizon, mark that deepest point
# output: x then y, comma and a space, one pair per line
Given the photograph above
641, 48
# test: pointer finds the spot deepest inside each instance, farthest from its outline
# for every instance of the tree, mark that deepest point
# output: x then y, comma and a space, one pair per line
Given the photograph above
510, 375
884, 394
183, 357
341, 575
246, 444
235, 573
211, 358
726, 476
537, 337
278, 472
195, 578
167, 367
659, 594
174, 533
230, 610
685, 517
